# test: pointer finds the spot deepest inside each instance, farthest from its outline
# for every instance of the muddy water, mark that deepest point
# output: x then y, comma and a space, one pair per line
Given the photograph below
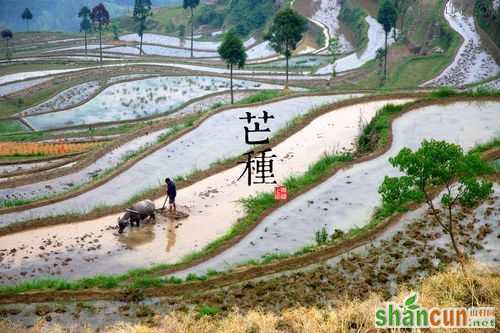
213, 205
219, 137
349, 198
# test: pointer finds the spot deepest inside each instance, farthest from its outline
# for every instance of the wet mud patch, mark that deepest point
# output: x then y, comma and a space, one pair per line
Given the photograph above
31, 255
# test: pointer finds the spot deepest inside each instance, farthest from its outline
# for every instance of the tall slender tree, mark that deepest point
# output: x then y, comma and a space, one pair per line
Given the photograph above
142, 10
100, 19
387, 17
85, 25
27, 16
191, 4
7, 35
286, 31
334, 48
232, 51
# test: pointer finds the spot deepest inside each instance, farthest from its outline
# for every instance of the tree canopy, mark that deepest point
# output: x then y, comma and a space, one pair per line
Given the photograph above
7, 34
286, 31
436, 164
27, 15
85, 24
100, 15
232, 50
84, 12
387, 15
190, 4
142, 9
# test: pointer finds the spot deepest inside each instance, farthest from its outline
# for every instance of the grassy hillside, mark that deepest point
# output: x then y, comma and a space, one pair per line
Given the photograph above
488, 19
60, 15
244, 15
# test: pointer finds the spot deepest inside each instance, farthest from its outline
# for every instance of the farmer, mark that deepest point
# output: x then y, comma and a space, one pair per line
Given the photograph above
171, 193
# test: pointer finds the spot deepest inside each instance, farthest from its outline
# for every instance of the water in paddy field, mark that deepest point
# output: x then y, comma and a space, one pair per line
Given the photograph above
349, 198
139, 99
219, 137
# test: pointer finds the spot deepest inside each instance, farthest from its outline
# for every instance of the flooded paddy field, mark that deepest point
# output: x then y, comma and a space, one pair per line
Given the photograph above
349, 198
473, 63
179, 158
213, 199
139, 99
376, 40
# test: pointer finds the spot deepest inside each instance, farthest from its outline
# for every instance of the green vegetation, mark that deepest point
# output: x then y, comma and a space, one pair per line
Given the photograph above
354, 18
85, 25
387, 16
247, 16
100, 19
207, 310
232, 52
7, 126
376, 134
285, 33
260, 97
142, 10
438, 163
210, 16
488, 19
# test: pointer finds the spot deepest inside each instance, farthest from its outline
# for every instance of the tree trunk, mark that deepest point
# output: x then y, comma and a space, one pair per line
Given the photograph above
140, 48
232, 95
7, 55
286, 56
459, 252
192, 30
85, 32
385, 57
100, 43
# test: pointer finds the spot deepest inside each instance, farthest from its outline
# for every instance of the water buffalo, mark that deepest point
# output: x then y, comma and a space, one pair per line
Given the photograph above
137, 213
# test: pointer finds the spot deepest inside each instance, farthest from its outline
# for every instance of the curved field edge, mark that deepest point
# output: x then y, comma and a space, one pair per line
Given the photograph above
180, 127
148, 282
156, 193
144, 126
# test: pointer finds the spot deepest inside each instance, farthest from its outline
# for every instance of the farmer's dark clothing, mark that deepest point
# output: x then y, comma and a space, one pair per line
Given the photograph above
171, 191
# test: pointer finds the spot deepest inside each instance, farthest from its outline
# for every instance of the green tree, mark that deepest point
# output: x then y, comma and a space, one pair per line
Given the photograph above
7, 35
28, 16
232, 51
434, 164
142, 10
334, 49
100, 19
191, 4
85, 25
286, 31
387, 16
